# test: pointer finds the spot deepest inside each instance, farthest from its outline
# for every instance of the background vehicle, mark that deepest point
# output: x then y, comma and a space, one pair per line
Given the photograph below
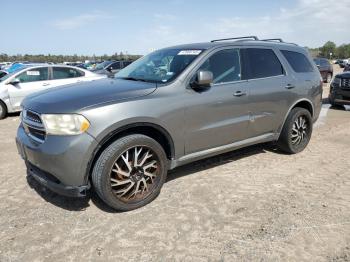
28, 79
347, 67
343, 62
121, 135
2, 73
326, 69
339, 93
110, 67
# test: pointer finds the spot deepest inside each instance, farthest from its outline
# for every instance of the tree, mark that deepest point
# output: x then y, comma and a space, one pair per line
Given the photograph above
328, 48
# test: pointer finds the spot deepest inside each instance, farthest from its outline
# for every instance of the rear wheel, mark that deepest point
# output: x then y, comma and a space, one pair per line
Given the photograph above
296, 132
130, 172
3, 110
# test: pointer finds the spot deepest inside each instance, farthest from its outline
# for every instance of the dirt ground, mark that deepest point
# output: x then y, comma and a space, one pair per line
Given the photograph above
254, 204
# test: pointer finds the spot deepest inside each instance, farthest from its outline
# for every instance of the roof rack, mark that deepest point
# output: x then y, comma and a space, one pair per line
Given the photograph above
273, 39
235, 38
277, 39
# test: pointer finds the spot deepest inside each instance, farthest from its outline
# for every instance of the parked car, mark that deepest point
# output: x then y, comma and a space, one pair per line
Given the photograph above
343, 62
326, 69
122, 135
3, 73
339, 93
28, 79
110, 67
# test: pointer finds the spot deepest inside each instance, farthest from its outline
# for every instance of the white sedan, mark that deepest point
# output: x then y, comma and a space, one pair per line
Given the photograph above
29, 79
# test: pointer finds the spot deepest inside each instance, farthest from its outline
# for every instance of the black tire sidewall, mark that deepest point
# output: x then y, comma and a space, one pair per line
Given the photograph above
4, 110
106, 161
285, 137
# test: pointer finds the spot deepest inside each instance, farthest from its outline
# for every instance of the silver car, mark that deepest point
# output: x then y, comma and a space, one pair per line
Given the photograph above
28, 79
169, 108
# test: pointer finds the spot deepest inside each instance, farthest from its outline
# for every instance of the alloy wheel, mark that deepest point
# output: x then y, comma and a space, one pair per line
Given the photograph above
135, 174
299, 130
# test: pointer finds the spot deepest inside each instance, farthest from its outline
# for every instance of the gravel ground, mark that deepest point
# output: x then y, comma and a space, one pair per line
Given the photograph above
254, 204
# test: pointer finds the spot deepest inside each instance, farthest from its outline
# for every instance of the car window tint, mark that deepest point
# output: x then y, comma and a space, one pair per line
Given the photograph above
225, 66
298, 61
260, 63
115, 66
65, 72
125, 64
34, 75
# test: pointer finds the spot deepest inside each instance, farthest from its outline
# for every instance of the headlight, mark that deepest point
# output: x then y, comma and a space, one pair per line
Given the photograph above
336, 81
65, 124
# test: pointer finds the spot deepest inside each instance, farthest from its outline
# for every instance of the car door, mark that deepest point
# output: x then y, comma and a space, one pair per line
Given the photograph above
65, 75
31, 81
271, 90
219, 115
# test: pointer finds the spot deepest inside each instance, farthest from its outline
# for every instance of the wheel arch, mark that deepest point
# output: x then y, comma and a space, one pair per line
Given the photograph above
303, 103
158, 133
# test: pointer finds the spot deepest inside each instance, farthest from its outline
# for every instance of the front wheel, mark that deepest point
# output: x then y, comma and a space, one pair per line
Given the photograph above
296, 132
130, 172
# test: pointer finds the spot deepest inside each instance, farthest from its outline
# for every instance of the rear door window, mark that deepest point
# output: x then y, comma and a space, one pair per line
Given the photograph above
260, 63
65, 72
34, 75
298, 61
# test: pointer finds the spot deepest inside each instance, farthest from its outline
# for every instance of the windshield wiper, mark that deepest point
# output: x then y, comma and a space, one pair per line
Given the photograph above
133, 79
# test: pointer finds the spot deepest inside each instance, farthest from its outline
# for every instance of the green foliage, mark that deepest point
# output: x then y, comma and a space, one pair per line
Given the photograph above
65, 58
342, 51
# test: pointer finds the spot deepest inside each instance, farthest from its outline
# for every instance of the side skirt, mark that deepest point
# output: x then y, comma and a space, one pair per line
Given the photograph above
222, 149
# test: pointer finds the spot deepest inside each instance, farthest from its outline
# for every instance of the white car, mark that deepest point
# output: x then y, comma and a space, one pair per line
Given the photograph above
29, 79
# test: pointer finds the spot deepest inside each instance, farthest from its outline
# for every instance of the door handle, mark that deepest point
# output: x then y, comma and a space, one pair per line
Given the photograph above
46, 84
239, 93
289, 86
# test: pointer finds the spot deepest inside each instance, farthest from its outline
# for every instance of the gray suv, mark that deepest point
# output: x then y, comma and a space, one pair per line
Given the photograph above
169, 108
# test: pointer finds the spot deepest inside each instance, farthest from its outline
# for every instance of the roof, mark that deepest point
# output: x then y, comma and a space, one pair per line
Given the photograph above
242, 41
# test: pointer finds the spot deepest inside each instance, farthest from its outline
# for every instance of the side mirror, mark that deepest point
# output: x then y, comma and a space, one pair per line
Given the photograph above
109, 69
203, 81
14, 82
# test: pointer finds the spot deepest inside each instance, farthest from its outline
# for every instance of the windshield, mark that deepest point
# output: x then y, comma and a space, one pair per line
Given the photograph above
161, 66
317, 61
102, 65
11, 74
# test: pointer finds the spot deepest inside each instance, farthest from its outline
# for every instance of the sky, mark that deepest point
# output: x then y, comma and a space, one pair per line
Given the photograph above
137, 27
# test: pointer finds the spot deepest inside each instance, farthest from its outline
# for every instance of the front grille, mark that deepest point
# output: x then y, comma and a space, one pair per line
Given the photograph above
33, 125
345, 83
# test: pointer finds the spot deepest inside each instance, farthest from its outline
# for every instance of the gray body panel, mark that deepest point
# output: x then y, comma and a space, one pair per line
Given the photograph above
199, 124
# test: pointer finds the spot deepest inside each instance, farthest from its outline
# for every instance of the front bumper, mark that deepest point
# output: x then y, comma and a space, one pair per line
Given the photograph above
339, 96
54, 184
60, 163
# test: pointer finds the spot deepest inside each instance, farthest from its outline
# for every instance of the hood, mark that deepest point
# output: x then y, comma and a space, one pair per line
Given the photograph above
345, 75
73, 98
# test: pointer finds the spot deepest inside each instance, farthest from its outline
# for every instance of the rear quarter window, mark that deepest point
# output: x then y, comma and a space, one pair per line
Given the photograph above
260, 63
298, 61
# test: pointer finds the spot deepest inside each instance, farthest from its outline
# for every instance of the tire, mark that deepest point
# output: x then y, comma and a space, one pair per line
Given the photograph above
328, 78
112, 176
288, 141
3, 110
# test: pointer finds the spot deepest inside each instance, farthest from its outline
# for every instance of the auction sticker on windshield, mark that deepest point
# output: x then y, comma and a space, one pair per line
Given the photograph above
189, 52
